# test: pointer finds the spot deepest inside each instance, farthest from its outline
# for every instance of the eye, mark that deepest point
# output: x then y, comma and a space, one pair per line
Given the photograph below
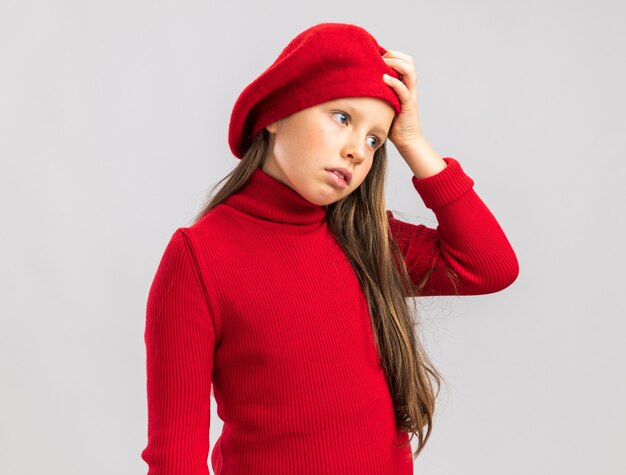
343, 114
376, 142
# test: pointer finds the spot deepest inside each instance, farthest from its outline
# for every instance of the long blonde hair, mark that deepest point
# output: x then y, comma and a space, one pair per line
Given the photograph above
381, 270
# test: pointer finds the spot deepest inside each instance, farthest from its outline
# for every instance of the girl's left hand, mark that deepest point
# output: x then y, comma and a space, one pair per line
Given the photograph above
406, 128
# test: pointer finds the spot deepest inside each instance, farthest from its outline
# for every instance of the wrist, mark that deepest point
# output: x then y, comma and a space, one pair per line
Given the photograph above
422, 158
409, 144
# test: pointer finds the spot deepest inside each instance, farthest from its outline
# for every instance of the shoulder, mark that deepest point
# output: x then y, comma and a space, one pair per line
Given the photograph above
211, 236
210, 226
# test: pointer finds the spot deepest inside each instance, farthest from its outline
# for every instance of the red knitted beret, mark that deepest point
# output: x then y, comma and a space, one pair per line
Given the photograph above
325, 62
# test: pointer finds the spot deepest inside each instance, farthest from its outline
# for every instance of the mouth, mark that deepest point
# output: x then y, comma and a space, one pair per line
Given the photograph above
343, 175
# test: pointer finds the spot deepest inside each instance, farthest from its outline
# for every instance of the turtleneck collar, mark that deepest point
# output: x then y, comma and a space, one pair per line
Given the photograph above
265, 197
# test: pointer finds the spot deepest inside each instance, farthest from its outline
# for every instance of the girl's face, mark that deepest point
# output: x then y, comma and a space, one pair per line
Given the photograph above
339, 134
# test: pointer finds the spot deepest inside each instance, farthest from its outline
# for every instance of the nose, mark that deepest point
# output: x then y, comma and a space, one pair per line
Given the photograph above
354, 149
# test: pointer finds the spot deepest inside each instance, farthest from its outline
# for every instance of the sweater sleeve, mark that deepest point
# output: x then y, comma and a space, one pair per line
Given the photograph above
180, 339
468, 253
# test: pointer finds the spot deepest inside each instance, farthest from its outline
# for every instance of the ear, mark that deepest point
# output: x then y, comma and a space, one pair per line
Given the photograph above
272, 127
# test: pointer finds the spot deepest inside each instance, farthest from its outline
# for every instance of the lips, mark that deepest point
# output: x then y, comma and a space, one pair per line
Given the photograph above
341, 172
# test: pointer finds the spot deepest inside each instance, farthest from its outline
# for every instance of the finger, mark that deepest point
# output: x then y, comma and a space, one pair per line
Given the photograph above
398, 54
399, 87
401, 65
405, 70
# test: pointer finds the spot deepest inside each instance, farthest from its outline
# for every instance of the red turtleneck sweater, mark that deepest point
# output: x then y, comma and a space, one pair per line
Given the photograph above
258, 299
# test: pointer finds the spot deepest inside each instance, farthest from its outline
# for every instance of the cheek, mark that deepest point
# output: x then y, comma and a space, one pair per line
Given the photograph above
297, 139
285, 145
314, 144
309, 142
365, 169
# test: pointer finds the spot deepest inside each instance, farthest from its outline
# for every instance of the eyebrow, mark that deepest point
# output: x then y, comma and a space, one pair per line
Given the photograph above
353, 111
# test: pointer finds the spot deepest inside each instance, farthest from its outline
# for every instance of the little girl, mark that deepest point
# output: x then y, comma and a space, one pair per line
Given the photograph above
290, 292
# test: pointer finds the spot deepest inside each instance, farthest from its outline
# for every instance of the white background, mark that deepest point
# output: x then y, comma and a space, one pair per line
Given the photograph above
113, 126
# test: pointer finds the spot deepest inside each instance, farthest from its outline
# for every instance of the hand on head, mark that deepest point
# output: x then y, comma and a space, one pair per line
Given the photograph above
406, 127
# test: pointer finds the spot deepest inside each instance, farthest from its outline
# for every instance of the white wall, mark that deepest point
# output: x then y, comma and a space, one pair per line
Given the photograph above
113, 125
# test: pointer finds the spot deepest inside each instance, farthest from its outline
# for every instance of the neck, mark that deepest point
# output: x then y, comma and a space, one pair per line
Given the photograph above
264, 197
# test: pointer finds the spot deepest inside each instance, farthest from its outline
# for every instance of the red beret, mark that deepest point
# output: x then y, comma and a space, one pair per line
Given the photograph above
325, 62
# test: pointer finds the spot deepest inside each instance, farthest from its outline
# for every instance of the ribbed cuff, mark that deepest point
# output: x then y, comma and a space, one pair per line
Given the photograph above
444, 187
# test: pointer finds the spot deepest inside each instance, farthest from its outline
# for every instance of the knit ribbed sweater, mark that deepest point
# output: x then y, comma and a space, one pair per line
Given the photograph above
258, 299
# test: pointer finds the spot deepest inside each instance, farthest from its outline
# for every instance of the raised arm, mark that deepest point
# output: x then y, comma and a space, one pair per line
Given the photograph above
180, 340
468, 252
